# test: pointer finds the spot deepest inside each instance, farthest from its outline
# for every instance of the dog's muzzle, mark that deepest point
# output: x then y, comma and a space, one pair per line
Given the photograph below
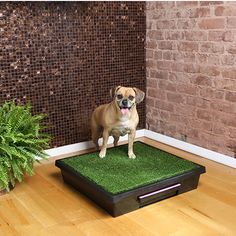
124, 108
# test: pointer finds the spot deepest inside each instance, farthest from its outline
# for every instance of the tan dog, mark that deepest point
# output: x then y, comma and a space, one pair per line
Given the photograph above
117, 118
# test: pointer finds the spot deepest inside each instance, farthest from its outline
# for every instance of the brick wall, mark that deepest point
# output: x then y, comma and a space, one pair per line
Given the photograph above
191, 72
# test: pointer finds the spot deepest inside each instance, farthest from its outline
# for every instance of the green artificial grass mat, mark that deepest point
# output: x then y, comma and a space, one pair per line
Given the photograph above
116, 173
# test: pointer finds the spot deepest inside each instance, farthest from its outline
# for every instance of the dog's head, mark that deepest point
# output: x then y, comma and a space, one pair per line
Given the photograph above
126, 98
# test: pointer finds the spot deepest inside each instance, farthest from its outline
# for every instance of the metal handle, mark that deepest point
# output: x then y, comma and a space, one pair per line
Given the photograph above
159, 191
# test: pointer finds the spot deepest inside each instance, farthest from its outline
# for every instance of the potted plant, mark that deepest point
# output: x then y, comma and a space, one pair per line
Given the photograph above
21, 143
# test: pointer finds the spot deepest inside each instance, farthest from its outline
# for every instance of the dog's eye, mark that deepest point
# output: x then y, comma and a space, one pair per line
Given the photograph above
131, 98
119, 96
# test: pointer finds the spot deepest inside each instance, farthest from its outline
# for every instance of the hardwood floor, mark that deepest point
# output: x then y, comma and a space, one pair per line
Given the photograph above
44, 205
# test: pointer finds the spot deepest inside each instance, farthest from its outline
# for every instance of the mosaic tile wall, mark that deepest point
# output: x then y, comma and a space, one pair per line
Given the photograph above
65, 57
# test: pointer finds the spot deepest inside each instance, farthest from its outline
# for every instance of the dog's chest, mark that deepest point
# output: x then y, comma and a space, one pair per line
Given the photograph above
122, 128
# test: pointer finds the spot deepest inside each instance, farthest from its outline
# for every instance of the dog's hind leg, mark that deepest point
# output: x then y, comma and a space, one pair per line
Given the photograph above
96, 134
116, 140
95, 137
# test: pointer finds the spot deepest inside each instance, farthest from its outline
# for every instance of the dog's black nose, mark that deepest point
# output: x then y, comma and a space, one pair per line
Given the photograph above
125, 102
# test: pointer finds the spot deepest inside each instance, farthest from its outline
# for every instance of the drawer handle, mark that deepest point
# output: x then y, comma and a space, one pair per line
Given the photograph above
159, 191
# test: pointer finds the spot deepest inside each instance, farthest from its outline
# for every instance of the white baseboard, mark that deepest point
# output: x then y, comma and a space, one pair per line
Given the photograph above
199, 151
76, 147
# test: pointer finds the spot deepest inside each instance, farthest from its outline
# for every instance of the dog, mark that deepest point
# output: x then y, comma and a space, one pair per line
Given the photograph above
118, 118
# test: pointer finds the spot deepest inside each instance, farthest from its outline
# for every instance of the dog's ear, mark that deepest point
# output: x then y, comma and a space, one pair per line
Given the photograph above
139, 95
114, 90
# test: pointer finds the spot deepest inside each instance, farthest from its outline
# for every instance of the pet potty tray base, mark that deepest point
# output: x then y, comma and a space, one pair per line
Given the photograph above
120, 185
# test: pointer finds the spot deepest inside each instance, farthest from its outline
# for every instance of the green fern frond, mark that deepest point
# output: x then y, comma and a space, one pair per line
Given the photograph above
21, 142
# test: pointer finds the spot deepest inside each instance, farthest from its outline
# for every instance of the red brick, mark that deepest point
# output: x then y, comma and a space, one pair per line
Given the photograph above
192, 133
166, 128
178, 77
231, 49
177, 67
174, 35
228, 60
222, 106
232, 132
166, 24
231, 22
167, 55
186, 3
226, 36
163, 115
163, 65
150, 101
224, 83
149, 54
201, 58
158, 55
204, 114
208, 3
192, 68
196, 35
189, 12
187, 56
197, 102
186, 23
214, 60
159, 74
185, 110
166, 45
155, 34
187, 89
229, 73
218, 128
164, 4
230, 143
202, 80
188, 46
151, 44
149, 24
150, 5
178, 118
200, 124
158, 14
166, 85
229, 120
231, 96
210, 47
212, 23
152, 92
163, 105
211, 93
157, 93
225, 11
174, 97
203, 12
151, 63
152, 83
210, 70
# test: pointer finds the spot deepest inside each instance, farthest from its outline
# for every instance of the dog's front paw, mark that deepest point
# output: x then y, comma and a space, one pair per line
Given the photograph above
131, 155
102, 154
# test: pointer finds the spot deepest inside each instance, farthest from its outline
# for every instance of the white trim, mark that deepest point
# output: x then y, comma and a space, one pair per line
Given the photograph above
76, 147
191, 148
202, 152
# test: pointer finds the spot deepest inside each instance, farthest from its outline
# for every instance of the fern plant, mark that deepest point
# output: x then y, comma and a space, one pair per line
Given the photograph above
21, 142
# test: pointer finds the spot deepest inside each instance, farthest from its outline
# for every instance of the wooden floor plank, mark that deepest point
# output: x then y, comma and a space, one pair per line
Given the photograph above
45, 205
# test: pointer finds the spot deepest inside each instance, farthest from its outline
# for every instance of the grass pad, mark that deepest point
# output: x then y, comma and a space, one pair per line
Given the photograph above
116, 173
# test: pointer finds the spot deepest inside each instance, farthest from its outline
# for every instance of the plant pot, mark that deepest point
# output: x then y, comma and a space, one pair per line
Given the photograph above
3, 191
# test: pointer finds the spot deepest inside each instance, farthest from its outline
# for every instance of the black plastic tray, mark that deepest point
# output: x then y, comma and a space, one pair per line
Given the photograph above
133, 199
